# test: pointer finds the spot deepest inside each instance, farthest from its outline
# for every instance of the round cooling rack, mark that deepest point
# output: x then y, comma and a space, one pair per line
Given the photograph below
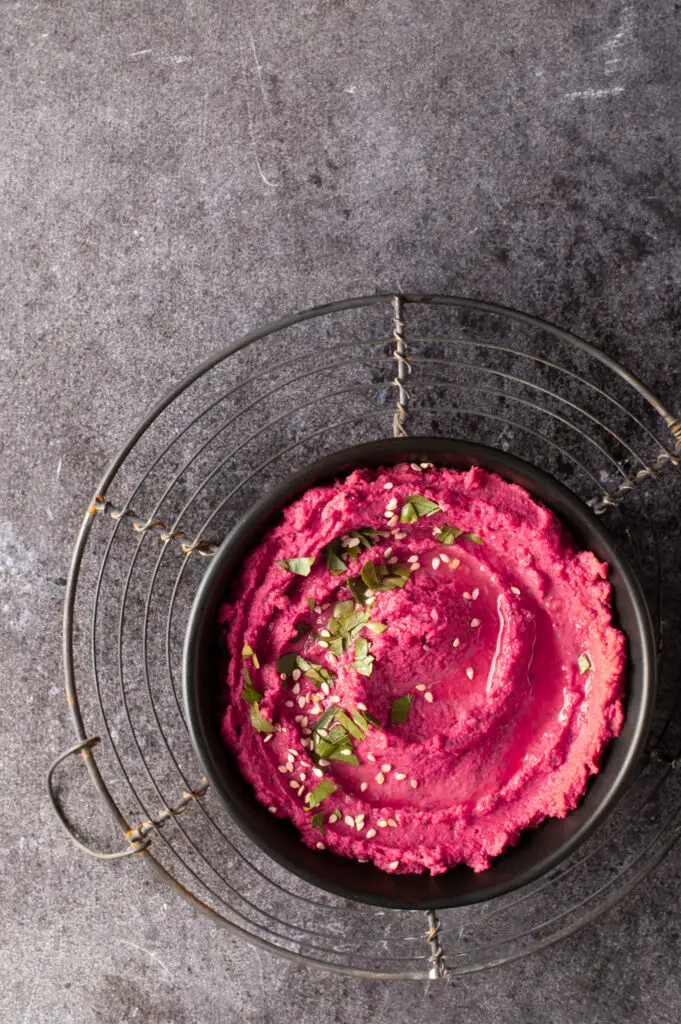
246, 419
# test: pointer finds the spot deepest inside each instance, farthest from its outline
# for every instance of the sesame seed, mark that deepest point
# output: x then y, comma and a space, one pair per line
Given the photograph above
388, 513
371, 757
388, 486
277, 727
382, 823
302, 700
293, 751
394, 865
306, 743
469, 672
420, 686
295, 675
289, 767
360, 817
332, 658
475, 623
388, 552
294, 785
325, 689
371, 833
415, 566
444, 558
290, 758
455, 563
332, 819
317, 709
435, 563
392, 560
304, 721
320, 846
380, 778
347, 752
400, 776
353, 542
334, 700
318, 772
362, 860
324, 632
393, 521
415, 466
289, 704
317, 609
413, 558
392, 823
455, 642
514, 590
296, 688
344, 540
297, 719
370, 600
391, 505
466, 596
359, 825
360, 706
325, 606
282, 676
364, 786
426, 465
322, 643
268, 736
386, 767
399, 535
302, 776
282, 768
272, 810
308, 797
476, 594
323, 763
323, 733
413, 783
428, 696
349, 820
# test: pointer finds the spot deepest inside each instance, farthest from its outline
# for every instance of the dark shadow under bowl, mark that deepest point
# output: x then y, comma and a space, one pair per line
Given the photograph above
539, 849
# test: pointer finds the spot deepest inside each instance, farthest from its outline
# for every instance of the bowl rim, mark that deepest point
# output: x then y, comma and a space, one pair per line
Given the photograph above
338, 464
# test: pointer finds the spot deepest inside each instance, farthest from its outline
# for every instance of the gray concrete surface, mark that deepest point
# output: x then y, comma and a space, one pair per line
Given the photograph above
176, 173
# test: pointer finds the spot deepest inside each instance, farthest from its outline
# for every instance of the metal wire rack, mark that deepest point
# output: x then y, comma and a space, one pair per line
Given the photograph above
246, 418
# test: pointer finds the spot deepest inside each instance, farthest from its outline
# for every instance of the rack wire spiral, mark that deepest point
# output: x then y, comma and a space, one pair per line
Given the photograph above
243, 421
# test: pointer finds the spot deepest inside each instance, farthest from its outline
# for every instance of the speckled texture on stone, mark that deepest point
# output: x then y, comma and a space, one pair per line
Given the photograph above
177, 173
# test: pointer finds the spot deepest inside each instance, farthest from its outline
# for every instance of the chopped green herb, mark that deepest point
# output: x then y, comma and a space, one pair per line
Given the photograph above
249, 692
332, 554
364, 662
259, 723
310, 603
325, 788
338, 812
246, 651
343, 608
286, 664
377, 627
317, 821
363, 719
381, 577
400, 709
344, 627
584, 663
448, 534
358, 589
317, 673
417, 506
347, 723
299, 566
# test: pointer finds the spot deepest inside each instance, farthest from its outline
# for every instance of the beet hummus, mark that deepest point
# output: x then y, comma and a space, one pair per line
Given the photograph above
420, 665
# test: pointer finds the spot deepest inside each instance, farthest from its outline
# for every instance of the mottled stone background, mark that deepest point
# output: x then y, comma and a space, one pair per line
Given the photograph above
176, 173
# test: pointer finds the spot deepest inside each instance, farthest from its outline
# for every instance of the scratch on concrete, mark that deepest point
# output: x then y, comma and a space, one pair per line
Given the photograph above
594, 94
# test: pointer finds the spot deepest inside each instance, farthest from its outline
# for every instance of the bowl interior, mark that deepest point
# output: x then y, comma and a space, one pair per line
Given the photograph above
538, 849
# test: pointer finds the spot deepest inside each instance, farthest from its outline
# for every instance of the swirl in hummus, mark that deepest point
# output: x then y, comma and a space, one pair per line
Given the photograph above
420, 665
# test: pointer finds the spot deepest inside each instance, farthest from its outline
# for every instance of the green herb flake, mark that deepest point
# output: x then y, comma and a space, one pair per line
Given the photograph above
473, 537
382, 577
259, 723
364, 662
416, 506
286, 664
317, 821
358, 590
377, 627
317, 673
584, 664
325, 788
246, 651
299, 566
448, 534
310, 603
249, 692
399, 711
332, 554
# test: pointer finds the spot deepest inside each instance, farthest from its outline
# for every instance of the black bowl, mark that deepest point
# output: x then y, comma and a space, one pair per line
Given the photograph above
539, 849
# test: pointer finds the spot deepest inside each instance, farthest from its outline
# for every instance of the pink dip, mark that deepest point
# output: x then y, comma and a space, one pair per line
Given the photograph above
506, 648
